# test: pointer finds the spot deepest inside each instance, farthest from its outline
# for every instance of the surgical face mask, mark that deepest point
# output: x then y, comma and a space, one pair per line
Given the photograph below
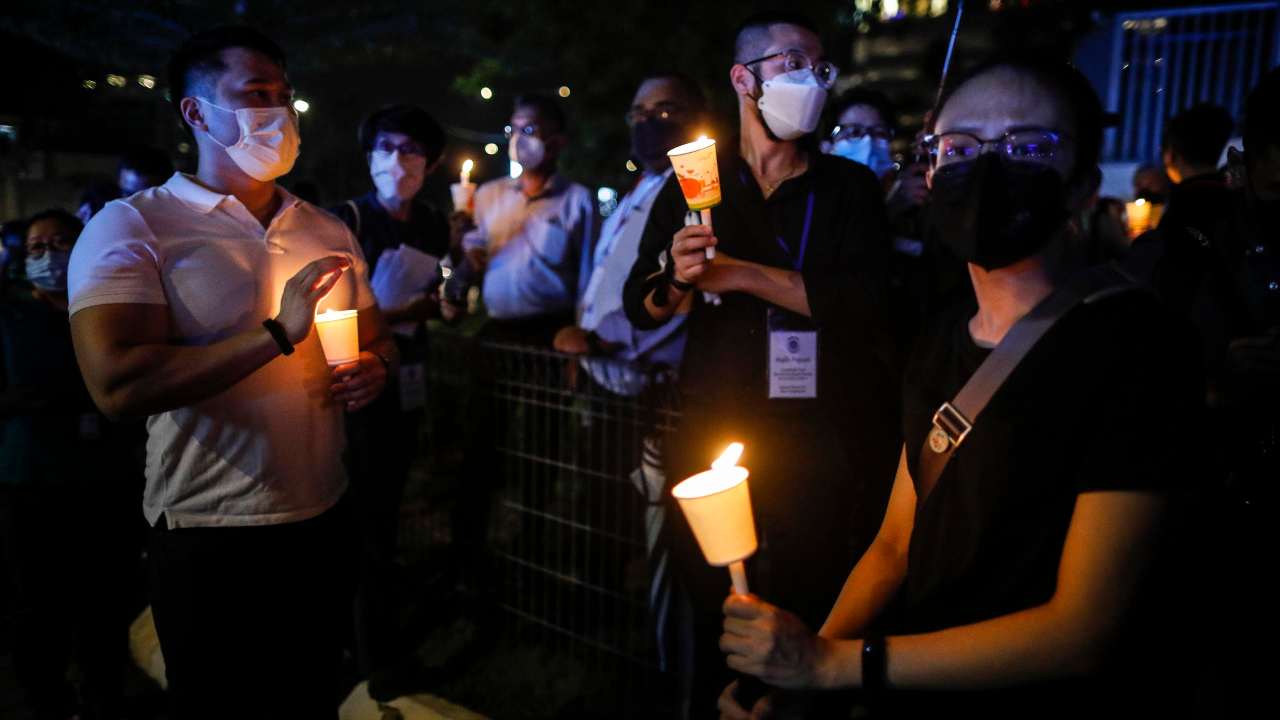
49, 271
527, 150
994, 211
866, 150
397, 175
791, 103
268, 144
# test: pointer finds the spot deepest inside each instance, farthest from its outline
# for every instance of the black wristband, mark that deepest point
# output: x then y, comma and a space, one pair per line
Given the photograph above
279, 335
874, 666
671, 274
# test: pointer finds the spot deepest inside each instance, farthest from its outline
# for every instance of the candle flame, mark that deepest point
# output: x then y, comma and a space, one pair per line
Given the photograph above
729, 457
467, 165
702, 138
1140, 201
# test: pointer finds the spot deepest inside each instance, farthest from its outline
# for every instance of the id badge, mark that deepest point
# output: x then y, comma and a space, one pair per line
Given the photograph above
793, 355
413, 386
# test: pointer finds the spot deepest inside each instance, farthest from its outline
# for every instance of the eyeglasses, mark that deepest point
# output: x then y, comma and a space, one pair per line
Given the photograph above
1031, 144
855, 131
530, 130
409, 147
792, 60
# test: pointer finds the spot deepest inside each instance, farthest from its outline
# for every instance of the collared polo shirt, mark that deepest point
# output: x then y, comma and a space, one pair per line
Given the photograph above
266, 450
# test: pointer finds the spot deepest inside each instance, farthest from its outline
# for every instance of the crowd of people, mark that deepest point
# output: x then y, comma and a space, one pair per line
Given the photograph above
1023, 469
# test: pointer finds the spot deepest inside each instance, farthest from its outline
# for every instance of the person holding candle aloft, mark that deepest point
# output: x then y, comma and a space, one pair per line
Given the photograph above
801, 268
193, 303
1018, 577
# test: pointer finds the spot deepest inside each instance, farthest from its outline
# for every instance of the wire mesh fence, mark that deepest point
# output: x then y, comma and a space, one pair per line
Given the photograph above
558, 501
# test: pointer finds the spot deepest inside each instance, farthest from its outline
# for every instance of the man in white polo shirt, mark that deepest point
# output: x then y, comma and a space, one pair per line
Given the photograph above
192, 303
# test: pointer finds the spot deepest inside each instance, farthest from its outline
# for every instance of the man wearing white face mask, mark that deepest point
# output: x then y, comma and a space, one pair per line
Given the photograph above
403, 238
193, 304
534, 233
799, 359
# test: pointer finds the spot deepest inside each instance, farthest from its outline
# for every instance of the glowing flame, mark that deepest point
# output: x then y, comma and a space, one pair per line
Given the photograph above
729, 457
467, 165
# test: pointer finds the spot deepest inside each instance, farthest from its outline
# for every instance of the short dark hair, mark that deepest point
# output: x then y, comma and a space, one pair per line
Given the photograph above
71, 221
98, 195
195, 65
689, 86
1072, 88
1199, 133
752, 34
149, 162
871, 98
408, 120
547, 108
1262, 114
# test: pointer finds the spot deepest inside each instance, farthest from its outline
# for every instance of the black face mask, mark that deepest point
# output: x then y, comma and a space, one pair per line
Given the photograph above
994, 211
651, 138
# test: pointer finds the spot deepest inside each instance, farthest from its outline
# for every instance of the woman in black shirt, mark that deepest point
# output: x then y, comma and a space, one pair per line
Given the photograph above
1019, 584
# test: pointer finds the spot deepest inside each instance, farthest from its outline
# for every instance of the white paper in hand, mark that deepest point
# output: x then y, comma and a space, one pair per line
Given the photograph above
400, 277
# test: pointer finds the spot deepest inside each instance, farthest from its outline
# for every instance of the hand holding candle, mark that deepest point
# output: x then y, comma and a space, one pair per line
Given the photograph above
717, 505
699, 177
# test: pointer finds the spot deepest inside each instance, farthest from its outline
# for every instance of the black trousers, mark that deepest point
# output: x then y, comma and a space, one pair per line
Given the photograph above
250, 619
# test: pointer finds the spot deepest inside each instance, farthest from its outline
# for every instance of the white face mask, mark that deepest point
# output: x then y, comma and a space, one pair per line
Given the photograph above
397, 176
791, 103
866, 150
528, 150
268, 144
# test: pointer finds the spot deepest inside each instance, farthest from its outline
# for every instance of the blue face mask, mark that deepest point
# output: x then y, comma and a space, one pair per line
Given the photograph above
866, 150
49, 271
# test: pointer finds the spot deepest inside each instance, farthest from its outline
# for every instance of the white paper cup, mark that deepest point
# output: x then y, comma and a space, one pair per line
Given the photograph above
696, 170
464, 196
717, 505
339, 336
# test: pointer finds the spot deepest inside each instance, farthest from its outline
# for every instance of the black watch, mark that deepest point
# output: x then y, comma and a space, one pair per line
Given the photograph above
279, 335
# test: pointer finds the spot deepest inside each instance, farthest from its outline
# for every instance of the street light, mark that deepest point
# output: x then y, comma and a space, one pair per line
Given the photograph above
147, 81
564, 91
301, 106
491, 149
486, 93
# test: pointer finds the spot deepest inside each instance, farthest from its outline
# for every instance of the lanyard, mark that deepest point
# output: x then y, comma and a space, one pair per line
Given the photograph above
798, 261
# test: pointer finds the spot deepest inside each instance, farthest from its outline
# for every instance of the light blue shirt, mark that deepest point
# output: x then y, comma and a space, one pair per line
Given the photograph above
539, 248
600, 307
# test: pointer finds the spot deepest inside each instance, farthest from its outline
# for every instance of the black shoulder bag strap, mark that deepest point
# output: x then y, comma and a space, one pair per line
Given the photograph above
954, 420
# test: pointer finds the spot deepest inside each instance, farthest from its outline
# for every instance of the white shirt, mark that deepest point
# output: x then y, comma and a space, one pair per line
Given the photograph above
268, 449
539, 248
600, 307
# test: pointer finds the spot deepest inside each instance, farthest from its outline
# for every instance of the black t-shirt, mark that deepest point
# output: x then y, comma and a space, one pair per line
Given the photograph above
845, 266
1109, 399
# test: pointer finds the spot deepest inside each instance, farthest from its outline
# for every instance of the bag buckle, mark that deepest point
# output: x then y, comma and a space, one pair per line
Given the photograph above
950, 428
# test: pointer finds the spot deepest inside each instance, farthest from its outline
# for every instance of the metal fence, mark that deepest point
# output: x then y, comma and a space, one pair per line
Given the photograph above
554, 470
1164, 61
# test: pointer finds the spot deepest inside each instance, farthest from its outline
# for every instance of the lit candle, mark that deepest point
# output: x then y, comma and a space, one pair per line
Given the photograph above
339, 336
717, 505
464, 191
699, 177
